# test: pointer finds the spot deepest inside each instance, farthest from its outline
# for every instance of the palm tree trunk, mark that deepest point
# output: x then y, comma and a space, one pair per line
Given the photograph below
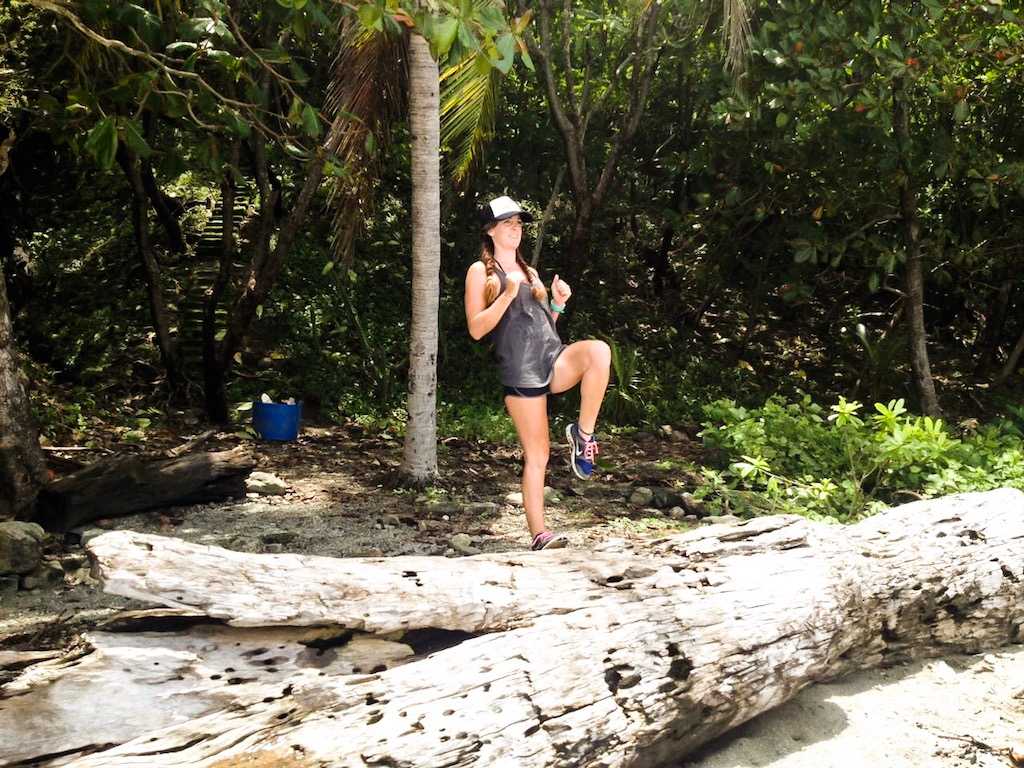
22, 470
420, 461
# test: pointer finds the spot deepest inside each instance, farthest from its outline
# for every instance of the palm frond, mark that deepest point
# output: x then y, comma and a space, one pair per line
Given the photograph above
367, 94
736, 33
469, 96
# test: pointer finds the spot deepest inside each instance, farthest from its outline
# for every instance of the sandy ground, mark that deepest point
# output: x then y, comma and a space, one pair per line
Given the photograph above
951, 712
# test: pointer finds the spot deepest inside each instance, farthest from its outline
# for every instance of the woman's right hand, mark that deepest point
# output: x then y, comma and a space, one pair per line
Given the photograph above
512, 282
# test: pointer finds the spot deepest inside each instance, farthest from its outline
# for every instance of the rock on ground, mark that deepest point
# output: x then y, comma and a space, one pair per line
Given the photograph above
266, 484
21, 546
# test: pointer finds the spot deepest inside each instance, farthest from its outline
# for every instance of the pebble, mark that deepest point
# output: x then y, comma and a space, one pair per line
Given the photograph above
21, 546
641, 497
48, 574
462, 542
482, 508
279, 537
266, 484
693, 505
8, 586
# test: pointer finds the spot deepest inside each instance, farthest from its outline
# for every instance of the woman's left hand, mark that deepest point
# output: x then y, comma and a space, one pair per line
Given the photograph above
560, 291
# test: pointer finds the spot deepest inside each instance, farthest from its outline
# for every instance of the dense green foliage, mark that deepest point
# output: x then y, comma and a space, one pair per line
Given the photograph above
750, 252
843, 465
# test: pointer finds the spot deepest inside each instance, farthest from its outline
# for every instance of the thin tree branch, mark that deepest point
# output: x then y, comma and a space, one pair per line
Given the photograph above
542, 54
643, 74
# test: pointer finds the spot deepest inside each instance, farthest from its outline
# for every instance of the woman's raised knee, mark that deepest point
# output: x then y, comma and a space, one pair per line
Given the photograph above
600, 354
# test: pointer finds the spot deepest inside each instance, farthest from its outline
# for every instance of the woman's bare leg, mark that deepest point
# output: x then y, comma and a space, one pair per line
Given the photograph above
530, 416
587, 363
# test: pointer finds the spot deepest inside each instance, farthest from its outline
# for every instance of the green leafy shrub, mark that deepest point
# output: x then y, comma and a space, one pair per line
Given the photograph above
795, 457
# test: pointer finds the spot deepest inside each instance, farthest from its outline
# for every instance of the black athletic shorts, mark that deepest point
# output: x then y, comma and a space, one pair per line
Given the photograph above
527, 391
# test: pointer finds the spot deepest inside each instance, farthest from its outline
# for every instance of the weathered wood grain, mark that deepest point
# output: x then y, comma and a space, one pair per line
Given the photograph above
628, 656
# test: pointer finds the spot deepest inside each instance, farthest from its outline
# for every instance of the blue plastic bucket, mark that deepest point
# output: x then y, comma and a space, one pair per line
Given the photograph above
276, 421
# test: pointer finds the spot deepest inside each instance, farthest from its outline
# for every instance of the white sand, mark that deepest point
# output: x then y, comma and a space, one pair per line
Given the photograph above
942, 713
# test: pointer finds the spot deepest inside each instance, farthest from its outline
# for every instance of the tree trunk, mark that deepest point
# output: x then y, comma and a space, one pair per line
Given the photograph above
538, 242
988, 341
419, 464
22, 469
168, 209
572, 115
214, 384
911, 237
128, 484
157, 306
1011, 362
162, 205
267, 264
632, 655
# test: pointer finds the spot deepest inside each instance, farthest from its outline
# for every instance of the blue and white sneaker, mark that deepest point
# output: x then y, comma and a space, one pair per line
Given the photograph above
582, 452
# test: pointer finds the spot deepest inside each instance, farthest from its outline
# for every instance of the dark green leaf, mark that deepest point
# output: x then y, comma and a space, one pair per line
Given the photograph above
133, 138
310, 122
466, 37
102, 143
444, 35
491, 19
181, 49
507, 48
370, 17
527, 60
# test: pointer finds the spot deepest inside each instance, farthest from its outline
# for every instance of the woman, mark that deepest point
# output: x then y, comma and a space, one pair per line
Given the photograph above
506, 300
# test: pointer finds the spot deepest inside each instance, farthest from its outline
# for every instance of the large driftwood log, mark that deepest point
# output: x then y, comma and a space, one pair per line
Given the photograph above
124, 485
118, 686
628, 656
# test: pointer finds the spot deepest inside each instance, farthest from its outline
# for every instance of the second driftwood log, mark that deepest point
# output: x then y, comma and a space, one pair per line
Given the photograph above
124, 485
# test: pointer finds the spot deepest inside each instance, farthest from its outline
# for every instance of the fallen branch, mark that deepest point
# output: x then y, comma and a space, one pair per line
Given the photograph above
123, 485
191, 445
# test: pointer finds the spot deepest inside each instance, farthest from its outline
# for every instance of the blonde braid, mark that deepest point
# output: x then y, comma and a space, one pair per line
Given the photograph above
493, 283
537, 288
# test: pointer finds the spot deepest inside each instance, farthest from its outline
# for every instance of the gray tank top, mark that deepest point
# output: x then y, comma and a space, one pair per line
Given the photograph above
525, 340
